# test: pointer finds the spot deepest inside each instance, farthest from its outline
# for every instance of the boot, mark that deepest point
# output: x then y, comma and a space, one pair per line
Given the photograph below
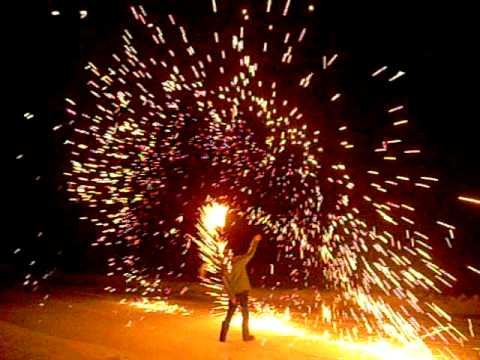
223, 331
248, 338
246, 333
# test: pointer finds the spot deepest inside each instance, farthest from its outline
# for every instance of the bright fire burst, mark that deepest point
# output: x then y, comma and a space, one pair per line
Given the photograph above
214, 216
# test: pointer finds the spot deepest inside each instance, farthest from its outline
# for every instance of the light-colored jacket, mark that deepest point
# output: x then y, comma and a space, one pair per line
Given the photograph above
237, 280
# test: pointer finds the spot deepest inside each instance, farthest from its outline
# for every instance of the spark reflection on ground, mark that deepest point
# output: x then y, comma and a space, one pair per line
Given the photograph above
281, 324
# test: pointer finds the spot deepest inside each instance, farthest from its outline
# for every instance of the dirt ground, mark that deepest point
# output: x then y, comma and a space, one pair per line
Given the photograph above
80, 324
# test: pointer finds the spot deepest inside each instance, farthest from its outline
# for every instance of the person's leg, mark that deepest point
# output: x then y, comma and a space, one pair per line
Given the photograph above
243, 300
226, 322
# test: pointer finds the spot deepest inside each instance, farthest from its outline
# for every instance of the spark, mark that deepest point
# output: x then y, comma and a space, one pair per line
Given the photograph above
470, 328
469, 200
396, 108
400, 122
269, 5
475, 270
379, 71
332, 60
396, 76
285, 9
335, 97
429, 178
448, 226
302, 35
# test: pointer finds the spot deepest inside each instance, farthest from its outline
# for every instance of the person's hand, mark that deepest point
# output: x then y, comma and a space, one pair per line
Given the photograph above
233, 300
257, 238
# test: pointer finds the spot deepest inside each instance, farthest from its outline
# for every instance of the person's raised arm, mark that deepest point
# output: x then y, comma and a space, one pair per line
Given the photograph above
253, 247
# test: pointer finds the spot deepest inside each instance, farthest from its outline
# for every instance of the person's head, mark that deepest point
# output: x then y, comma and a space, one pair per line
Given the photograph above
240, 234
241, 245
239, 238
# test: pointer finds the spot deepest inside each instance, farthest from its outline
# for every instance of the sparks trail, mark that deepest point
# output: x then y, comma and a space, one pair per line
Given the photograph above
172, 121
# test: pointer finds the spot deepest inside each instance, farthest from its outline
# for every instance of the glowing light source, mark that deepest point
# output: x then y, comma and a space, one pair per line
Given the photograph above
214, 216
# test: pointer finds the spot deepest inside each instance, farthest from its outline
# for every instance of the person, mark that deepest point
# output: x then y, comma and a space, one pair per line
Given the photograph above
237, 286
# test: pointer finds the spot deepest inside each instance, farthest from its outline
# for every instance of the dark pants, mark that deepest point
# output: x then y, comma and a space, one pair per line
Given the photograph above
242, 300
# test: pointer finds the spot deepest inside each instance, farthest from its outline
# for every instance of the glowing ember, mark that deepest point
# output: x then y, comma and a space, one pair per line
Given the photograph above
160, 306
469, 200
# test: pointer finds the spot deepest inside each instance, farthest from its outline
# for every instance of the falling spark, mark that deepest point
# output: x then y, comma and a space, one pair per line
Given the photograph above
396, 76
335, 97
332, 60
285, 10
400, 122
396, 108
269, 5
469, 199
470, 328
428, 178
302, 35
448, 226
379, 71
473, 269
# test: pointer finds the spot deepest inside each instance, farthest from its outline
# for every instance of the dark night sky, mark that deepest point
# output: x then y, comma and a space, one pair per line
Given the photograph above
431, 41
